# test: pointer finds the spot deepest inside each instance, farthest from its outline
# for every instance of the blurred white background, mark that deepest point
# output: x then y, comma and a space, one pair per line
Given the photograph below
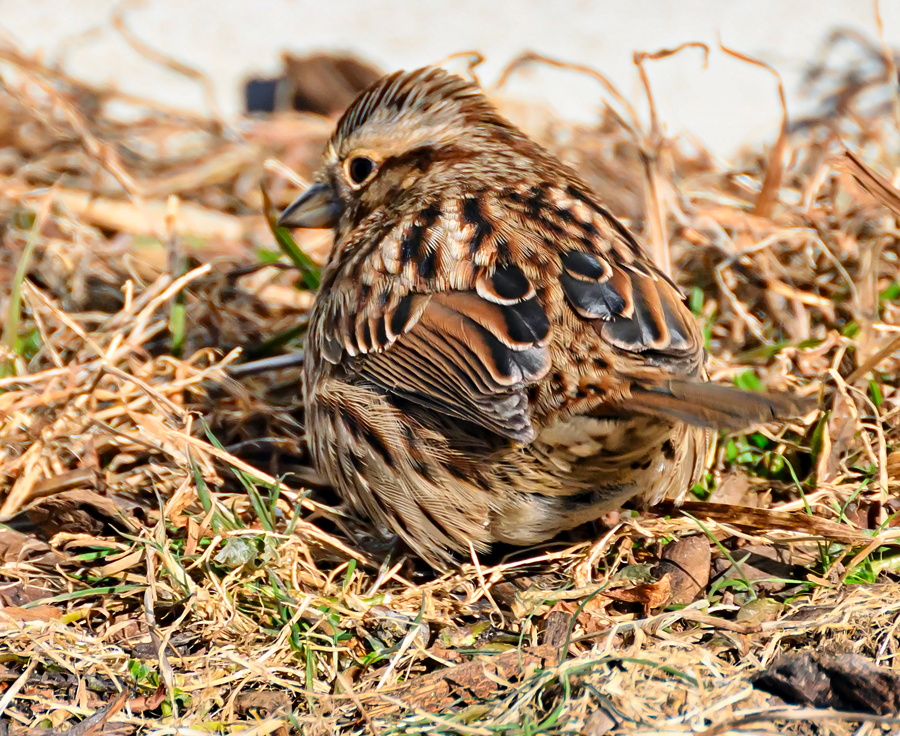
726, 105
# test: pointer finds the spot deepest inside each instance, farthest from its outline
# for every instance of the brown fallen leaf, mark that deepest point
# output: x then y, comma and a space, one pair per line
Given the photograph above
18, 594
686, 561
448, 655
74, 512
759, 611
264, 702
23, 615
16, 547
593, 617
148, 702
649, 595
475, 681
863, 513
87, 477
599, 723
733, 489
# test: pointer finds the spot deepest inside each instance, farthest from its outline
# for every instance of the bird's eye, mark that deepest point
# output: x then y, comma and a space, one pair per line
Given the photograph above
360, 168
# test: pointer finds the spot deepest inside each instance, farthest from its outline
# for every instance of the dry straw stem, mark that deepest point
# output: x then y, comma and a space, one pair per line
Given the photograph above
473, 60
873, 184
117, 18
652, 150
164, 535
651, 144
768, 194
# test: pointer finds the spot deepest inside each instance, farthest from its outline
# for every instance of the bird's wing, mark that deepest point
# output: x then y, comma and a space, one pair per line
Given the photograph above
453, 311
656, 345
430, 325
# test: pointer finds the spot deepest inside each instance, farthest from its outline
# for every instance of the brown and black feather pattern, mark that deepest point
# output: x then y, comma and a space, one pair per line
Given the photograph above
492, 356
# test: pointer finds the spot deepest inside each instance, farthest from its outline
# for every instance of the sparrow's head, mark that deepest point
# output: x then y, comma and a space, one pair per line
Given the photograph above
409, 133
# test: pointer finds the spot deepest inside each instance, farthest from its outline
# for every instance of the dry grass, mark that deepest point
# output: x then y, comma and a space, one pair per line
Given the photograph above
159, 536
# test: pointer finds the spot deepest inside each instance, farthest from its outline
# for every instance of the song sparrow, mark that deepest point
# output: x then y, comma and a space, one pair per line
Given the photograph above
491, 356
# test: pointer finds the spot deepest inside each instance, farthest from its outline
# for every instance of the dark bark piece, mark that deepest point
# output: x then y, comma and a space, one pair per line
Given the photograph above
505, 594
847, 682
556, 628
18, 547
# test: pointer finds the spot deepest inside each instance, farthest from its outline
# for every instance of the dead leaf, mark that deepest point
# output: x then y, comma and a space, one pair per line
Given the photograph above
864, 514
264, 702
148, 702
448, 655
599, 723
467, 683
65, 482
649, 595
18, 594
36, 613
733, 489
16, 547
758, 611
121, 562
686, 562
593, 616
74, 512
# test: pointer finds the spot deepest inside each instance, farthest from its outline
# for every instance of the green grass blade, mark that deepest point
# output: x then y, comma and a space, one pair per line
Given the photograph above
13, 314
309, 271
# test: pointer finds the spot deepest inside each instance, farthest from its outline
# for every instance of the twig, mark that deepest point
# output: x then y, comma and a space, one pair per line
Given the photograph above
812, 715
651, 150
768, 194
209, 92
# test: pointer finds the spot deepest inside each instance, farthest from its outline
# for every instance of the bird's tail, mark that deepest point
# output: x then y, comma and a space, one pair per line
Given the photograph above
713, 405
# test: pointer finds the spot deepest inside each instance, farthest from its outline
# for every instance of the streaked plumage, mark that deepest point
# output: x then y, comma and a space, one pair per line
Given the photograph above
492, 356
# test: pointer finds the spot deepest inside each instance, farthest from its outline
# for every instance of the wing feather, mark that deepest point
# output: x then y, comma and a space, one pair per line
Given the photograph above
470, 338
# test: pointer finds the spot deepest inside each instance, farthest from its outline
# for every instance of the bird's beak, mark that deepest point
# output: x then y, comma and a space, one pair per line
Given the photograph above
316, 207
